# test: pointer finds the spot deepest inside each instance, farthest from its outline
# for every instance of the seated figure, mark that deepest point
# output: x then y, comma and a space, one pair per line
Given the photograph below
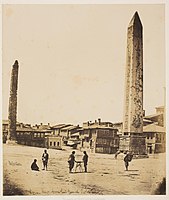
34, 166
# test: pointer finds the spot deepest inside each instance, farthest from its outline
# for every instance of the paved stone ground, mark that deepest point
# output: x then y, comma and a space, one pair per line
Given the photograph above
106, 176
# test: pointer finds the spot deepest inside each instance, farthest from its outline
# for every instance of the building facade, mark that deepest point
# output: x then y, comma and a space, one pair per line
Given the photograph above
99, 137
155, 138
54, 142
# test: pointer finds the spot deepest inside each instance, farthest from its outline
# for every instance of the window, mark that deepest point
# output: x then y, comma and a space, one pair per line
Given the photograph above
57, 143
50, 143
54, 143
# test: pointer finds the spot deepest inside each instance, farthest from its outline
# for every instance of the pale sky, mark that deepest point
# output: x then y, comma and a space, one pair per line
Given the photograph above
72, 60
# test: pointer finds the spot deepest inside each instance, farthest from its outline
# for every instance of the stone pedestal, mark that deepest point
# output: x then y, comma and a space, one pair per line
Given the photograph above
137, 144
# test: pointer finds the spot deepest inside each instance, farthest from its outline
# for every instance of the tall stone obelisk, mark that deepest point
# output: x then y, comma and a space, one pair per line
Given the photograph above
12, 112
133, 107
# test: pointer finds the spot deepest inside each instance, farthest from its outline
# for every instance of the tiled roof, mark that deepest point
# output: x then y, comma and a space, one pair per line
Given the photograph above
98, 127
25, 129
160, 107
152, 116
153, 128
60, 126
75, 134
70, 127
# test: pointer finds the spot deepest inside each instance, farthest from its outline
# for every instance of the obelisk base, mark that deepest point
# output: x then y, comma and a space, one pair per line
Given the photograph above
137, 144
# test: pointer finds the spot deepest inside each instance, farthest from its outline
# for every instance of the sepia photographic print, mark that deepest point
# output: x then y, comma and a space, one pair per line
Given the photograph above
84, 100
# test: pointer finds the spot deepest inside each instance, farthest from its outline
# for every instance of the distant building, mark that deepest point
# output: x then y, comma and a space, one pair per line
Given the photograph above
32, 136
57, 128
155, 138
118, 126
54, 142
99, 137
42, 126
67, 132
5, 129
158, 117
38, 135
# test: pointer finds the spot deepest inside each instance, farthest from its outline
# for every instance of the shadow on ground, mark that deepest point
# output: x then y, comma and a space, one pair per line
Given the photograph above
10, 189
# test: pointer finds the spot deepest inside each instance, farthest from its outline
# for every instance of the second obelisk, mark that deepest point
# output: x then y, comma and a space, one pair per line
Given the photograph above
133, 107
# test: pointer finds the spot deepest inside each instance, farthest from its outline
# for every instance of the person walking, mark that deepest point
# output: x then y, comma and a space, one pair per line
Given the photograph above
128, 157
71, 161
85, 160
34, 166
45, 158
116, 154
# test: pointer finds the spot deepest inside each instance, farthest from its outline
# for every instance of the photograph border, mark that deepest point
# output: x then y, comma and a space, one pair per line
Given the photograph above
93, 197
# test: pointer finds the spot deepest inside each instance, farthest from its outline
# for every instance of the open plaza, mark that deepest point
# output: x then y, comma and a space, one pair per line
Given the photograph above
106, 175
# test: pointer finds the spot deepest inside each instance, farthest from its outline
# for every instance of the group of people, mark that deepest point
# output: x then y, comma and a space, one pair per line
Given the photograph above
72, 161
45, 157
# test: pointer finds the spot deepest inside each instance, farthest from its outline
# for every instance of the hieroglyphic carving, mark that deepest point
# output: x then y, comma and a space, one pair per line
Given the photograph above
133, 113
137, 118
127, 80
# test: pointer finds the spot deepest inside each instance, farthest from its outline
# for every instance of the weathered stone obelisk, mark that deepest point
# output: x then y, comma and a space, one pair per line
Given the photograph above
12, 112
133, 107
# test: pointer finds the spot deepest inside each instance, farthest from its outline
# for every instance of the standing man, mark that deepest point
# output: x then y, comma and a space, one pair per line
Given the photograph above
71, 161
128, 157
45, 158
85, 160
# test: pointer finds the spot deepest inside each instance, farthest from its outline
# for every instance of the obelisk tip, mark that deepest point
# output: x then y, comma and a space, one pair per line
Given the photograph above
135, 20
16, 63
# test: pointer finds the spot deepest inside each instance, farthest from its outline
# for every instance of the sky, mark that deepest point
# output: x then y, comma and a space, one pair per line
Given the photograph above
72, 60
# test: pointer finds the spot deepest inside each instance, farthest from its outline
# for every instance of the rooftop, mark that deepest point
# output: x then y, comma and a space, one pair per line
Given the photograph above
153, 128
70, 127
58, 126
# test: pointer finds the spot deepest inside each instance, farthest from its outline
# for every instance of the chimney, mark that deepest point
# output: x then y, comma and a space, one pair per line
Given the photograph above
41, 124
48, 124
88, 123
21, 125
99, 120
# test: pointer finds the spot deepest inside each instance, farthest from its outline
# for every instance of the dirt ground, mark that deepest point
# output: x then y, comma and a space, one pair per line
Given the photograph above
106, 176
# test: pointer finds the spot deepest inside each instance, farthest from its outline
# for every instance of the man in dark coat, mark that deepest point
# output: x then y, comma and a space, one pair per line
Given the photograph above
128, 159
85, 160
34, 166
45, 158
71, 161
